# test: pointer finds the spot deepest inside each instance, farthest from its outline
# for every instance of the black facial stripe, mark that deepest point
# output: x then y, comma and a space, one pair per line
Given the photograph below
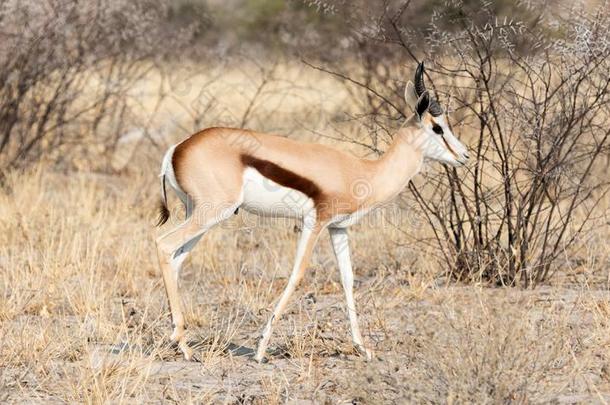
449, 147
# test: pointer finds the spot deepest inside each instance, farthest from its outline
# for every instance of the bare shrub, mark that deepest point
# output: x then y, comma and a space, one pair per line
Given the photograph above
65, 73
534, 105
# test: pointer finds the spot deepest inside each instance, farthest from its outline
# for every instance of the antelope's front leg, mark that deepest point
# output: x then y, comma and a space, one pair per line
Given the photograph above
339, 239
305, 247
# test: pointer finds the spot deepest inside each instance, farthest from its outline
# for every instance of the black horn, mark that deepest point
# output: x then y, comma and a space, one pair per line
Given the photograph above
420, 87
435, 109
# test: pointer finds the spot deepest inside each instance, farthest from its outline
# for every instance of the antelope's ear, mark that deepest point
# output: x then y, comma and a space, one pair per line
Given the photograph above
422, 103
410, 95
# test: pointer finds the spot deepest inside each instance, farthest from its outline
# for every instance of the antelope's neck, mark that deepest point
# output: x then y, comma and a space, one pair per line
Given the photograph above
393, 171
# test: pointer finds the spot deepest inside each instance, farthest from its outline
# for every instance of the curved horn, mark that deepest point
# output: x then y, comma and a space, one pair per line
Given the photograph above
435, 109
420, 87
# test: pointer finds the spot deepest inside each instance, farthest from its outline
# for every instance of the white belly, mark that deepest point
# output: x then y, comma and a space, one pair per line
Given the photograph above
263, 196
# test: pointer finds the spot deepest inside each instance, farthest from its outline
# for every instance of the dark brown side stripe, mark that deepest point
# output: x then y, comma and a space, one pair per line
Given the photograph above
283, 177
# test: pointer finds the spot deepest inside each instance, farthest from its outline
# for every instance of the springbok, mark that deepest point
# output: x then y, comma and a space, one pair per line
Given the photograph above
218, 170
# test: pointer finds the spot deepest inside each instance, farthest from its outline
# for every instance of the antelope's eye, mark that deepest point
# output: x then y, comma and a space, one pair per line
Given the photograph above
437, 129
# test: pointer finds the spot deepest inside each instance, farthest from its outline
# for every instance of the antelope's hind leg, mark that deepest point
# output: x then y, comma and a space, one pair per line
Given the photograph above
340, 242
172, 249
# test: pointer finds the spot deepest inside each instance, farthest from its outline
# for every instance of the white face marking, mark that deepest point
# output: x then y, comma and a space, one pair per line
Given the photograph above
445, 147
435, 145
263, 196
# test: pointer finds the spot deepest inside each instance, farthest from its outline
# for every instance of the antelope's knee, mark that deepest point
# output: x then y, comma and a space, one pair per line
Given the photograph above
165, 250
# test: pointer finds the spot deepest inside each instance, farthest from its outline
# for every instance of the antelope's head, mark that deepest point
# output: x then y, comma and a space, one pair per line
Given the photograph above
435, 138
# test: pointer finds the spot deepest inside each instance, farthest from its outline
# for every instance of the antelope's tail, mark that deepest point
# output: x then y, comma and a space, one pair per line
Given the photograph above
165, 169
163, 210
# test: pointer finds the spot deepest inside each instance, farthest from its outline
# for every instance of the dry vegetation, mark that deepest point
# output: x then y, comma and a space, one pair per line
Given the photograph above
84, 315
83, 312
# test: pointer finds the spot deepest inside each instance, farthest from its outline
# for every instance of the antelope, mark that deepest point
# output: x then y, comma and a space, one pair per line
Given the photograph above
218, 170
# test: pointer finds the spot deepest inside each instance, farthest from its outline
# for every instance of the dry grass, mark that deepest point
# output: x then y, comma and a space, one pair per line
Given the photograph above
84, 318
